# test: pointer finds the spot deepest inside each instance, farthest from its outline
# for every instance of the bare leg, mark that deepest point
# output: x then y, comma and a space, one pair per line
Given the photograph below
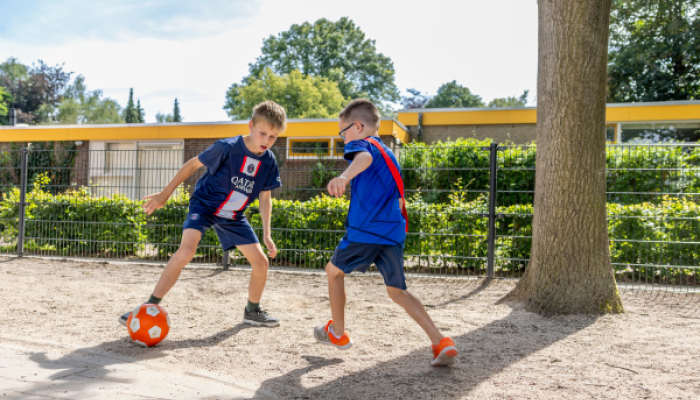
415, 309
258, 261
182, 257
336, 296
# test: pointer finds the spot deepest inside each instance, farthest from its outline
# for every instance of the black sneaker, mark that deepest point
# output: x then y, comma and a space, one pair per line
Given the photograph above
124, 318
259, 318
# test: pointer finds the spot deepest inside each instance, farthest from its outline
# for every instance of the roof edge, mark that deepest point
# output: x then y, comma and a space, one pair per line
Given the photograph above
612, 105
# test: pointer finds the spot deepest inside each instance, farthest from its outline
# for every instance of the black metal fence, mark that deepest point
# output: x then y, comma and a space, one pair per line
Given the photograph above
470, 209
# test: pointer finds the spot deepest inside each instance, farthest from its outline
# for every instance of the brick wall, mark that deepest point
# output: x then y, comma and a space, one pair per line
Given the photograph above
82, 165
192, 149
518, 134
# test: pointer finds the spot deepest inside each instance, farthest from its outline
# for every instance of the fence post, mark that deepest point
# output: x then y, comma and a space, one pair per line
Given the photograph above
493, 170
227, 256
22, 201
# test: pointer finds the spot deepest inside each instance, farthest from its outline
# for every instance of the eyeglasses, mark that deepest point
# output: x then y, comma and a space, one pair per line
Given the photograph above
349, 126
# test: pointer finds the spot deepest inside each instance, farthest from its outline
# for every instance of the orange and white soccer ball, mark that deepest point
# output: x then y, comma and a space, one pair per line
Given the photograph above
148, 324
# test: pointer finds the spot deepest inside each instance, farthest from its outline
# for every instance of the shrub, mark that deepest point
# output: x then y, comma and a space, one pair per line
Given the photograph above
636, 173
75, 223
663, 236
163, 229
433, 169
646, 170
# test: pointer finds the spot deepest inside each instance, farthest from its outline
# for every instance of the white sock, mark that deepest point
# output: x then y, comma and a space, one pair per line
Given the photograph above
330, 330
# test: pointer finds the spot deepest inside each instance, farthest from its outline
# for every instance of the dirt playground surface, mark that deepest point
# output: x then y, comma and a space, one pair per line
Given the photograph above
651, 351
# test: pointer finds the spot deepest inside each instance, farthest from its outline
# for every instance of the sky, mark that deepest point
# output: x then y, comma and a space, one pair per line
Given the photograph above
195, 50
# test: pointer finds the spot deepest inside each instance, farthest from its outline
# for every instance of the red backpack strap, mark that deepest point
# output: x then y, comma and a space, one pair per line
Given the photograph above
395, 173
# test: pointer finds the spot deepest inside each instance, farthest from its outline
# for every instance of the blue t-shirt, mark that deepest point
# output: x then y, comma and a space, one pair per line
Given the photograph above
234, 178
375, 215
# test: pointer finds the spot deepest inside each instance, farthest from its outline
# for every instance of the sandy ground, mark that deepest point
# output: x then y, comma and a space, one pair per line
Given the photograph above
651, 351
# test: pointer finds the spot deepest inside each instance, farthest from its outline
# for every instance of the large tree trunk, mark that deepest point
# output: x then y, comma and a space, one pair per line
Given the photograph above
570, 270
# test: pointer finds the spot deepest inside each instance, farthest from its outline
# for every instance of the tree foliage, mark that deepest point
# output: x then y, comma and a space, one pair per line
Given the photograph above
415, 99
5, 100
338, 51
32, 87
83, 106
301, 96
513, 101
654, 50
454, 95
176, 112
160, 118
140, 114
131, 116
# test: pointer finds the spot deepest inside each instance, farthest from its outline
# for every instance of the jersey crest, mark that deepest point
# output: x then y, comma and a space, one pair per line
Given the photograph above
250, 166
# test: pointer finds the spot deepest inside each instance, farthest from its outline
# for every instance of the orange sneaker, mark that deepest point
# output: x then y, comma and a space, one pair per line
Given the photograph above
444, 353
323, 335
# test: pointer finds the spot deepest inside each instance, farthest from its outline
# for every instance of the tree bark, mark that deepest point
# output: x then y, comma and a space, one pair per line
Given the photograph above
570, 270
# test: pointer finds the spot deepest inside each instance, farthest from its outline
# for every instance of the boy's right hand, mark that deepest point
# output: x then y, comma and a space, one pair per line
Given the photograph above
336, 187
153, 202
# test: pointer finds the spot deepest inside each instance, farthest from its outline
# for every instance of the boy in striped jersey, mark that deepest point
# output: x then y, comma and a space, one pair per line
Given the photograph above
239, 170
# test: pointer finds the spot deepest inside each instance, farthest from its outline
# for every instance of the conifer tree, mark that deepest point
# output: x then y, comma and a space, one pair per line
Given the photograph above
140, 114
130, 114
176, 112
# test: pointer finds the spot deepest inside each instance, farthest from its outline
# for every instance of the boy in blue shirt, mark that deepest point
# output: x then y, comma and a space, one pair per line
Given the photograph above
239, 169
376, 229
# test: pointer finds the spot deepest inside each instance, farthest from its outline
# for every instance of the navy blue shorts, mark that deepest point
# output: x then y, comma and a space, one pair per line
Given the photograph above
231, 233
351, 257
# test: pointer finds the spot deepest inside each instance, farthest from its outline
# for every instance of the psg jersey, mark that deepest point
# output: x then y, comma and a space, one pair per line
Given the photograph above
234, 178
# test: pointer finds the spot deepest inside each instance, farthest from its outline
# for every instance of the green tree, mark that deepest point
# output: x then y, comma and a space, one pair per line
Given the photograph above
5, 100
176, 112
454, 95
32, 87
301, 96
416, 99
338, 51
510, 101
654, 50
130, 114
13, 71
82, 106
140, 114
160, 118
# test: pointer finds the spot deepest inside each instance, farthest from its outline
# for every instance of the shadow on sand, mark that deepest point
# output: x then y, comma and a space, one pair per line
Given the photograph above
484, 352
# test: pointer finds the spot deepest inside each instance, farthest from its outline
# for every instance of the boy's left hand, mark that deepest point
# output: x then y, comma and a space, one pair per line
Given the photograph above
271, 248
336, 187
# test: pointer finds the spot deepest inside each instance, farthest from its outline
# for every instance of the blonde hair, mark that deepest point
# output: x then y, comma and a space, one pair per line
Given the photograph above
272, 113
362, 110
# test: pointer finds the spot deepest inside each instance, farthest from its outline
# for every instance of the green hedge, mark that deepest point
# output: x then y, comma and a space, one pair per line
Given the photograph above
433, 169
451, 236
670, 231
75, 223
